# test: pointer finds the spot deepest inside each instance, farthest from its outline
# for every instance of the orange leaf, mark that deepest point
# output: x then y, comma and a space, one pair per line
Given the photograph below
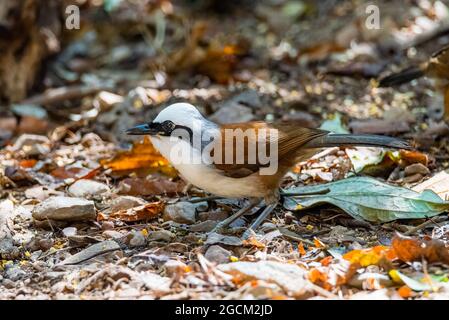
326, 261
65, 173
316, 276
253, 242
405, 292
410, 249
318, 243
28, 163
367, 257
144, 212
413, 157
145, 186
142, 156
301, 249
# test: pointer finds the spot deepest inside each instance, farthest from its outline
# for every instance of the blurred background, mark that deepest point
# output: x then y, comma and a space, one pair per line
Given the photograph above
120, 61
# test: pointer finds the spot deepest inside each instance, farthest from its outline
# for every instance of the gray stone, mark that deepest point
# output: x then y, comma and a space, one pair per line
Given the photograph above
88, 188
136, 239
216, 238
125, 202
92, 251
64, 209
181, 212
14, 273
204, 226
112, 234
8, 284
217, 254
107, 225
6, 247
161, 235
45, 244
232, 114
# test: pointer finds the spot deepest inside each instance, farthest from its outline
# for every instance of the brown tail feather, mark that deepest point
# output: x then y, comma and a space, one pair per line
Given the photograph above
401, 77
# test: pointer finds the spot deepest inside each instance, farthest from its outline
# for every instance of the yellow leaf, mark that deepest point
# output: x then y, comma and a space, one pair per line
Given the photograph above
233, 259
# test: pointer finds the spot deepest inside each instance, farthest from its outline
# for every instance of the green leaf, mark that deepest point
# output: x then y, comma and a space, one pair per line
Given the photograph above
334, 125
368, 199
413, 284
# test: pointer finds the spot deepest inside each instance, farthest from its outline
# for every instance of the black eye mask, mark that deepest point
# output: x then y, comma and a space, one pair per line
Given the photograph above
165, 129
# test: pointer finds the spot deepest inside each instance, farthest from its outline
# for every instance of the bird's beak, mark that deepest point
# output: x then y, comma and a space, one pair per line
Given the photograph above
142, 129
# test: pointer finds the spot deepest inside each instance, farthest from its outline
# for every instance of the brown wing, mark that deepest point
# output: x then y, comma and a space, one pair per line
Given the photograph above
290, 137
438, 64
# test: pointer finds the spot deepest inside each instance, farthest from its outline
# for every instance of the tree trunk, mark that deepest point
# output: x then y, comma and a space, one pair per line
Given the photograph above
29, 32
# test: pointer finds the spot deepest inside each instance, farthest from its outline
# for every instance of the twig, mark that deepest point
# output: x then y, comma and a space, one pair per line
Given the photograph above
423, 225
295, 237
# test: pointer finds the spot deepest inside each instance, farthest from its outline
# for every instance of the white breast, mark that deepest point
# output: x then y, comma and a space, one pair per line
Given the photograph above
196, 172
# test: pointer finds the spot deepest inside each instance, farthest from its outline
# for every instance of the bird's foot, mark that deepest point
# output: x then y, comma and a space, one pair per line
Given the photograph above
253, 227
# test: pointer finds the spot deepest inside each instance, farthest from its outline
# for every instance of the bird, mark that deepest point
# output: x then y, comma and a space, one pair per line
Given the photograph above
180, 129
435, 68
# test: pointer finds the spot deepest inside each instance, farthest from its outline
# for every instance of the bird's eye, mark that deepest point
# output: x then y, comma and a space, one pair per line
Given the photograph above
168, 126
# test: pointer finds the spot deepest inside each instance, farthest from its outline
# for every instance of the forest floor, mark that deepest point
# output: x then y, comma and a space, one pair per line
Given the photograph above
87, 212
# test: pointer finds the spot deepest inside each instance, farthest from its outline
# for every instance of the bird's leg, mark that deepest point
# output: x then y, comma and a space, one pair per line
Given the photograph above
223, 224
265, 213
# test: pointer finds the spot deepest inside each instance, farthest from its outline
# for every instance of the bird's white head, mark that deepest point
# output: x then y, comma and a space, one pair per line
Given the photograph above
180, 114
175, 116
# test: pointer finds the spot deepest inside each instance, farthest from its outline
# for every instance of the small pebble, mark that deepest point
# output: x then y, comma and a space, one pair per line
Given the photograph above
217, 254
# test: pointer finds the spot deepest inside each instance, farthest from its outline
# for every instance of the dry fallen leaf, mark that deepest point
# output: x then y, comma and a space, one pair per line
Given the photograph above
253, 242
145, 187
216, 60
144, 212
28, 163
410, 249
142, 156
65, 173
439, 184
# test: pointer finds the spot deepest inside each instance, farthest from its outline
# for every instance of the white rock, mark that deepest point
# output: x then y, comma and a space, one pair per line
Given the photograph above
87, 188
64, 209
69, 231
125, 202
